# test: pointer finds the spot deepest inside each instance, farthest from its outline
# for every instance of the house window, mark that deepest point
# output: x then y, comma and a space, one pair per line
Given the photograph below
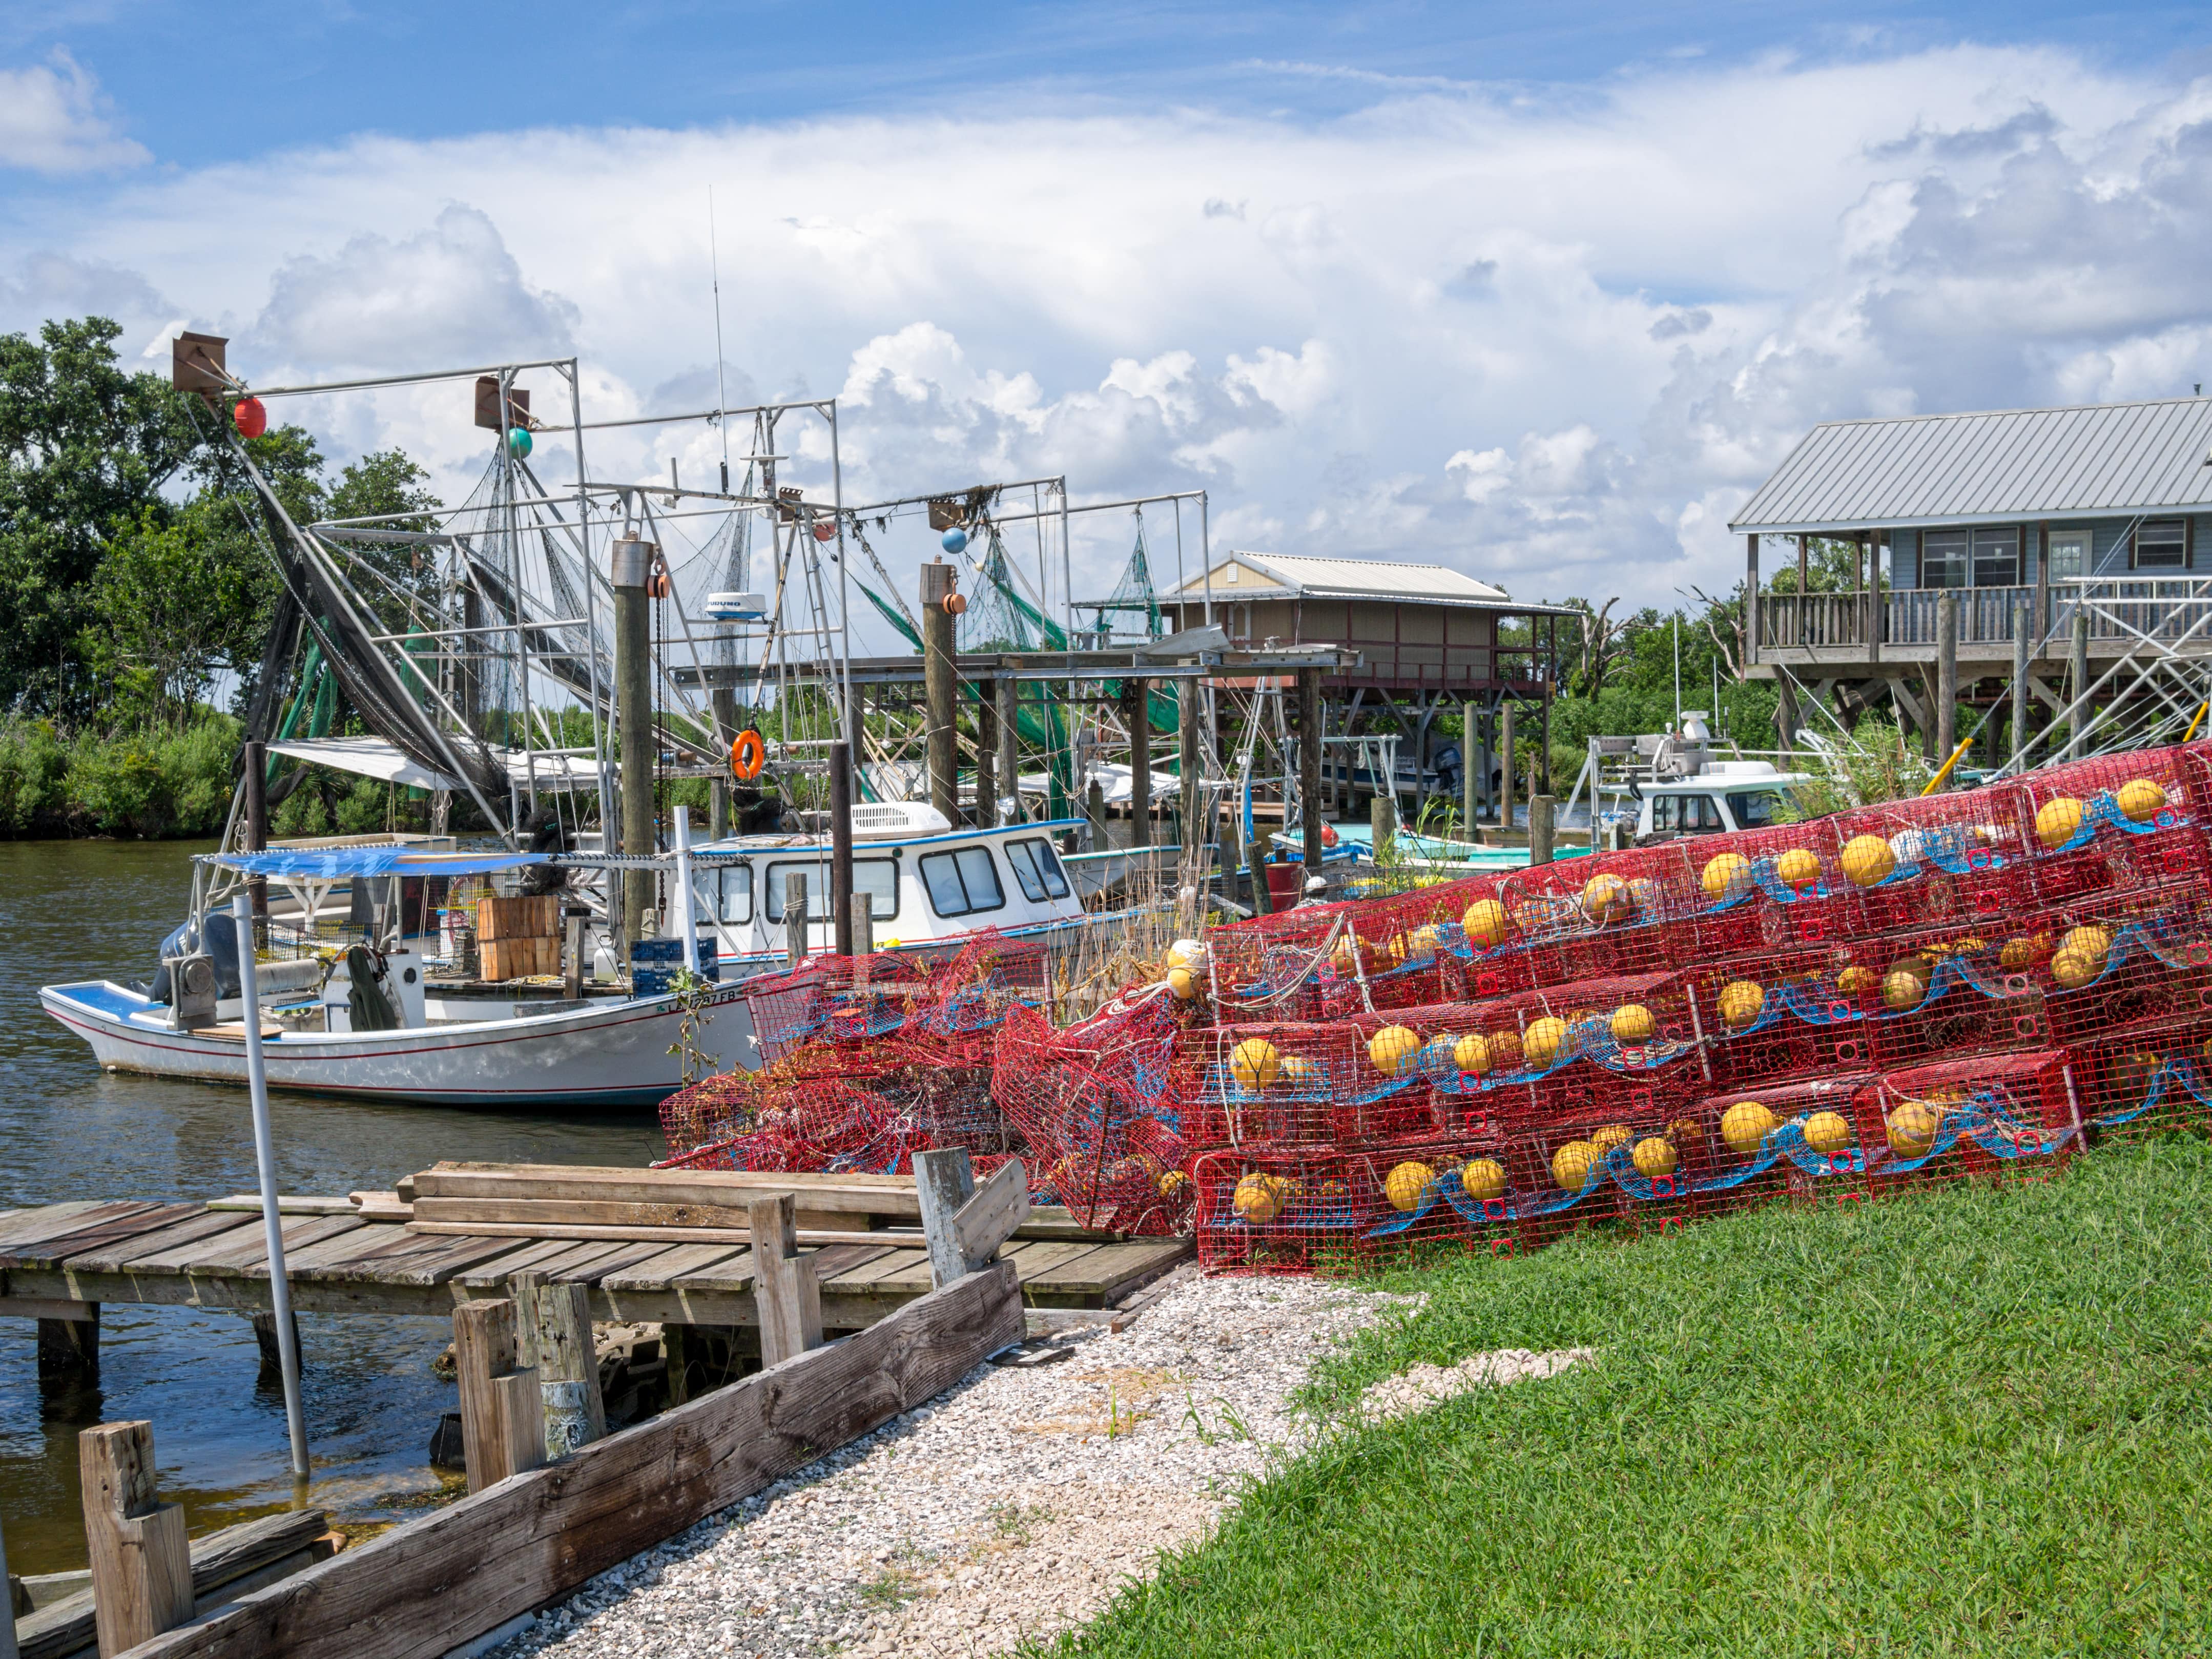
2069, 555
962, 881
1996, 558
1943, 558
2162, 544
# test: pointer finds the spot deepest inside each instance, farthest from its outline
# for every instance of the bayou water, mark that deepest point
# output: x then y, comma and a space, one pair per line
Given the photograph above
90, 910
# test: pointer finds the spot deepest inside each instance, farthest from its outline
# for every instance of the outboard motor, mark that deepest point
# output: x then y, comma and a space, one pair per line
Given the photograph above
221, 944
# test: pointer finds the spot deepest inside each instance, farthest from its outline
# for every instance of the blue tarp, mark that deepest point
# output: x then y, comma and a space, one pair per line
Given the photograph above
338, 863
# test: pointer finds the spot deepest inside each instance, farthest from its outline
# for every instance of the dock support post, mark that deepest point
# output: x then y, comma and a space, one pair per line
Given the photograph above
2077, 687
140, 1558
632, 570
1136, 704
1505, 767
986, 754
787, 1292
1947, 674
7, 1622
945, 1181
2020, 623
503, 1414
840, 847
794, 918
1188, 704
723, 700
1470, 752
271, 1345
1008, 689
257, 832
553, 1336
1382, 824
1309, 810
1785, 713
940, 692
68, 1351
1540, 810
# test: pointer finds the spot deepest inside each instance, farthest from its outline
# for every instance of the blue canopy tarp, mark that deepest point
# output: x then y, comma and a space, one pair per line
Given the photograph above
342, 863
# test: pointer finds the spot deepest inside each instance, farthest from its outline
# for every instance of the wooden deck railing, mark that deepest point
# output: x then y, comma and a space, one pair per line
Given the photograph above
2121, 612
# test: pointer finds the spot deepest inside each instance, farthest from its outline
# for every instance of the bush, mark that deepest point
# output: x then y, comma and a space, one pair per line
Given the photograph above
154, 783
33, 768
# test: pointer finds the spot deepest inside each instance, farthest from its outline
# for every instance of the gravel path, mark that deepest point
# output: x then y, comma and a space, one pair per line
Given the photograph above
1013, 1505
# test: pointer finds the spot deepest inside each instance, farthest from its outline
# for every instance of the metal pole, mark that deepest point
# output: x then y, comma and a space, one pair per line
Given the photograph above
2020, 623
256, 780
683, 888
1468, 745
1137, 701
1008, 690
632, 566
280, 1289
841, 847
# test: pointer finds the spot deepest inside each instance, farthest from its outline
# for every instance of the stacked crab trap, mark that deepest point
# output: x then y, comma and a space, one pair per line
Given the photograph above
1976, 983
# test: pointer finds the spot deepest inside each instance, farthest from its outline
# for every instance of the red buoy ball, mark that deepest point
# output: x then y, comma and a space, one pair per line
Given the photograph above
825, 530
251, 416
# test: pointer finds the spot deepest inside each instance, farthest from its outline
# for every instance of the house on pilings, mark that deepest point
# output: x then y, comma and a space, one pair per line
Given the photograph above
1430, 639
2048, 535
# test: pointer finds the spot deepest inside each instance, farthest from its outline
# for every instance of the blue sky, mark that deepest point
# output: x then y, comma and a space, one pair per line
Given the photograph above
198, 83
1542, 292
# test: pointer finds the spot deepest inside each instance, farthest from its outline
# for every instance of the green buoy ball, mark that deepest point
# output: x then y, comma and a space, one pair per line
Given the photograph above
518, 441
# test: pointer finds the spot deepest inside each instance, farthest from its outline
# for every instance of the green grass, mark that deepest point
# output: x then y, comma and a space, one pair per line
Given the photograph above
1969, 1421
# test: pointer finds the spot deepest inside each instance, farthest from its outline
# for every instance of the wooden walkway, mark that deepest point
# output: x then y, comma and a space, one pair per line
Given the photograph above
57, 1260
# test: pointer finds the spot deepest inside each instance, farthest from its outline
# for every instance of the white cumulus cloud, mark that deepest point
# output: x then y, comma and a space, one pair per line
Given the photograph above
53, 119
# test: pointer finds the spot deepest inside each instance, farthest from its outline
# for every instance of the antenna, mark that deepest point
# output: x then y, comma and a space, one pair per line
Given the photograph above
721, 391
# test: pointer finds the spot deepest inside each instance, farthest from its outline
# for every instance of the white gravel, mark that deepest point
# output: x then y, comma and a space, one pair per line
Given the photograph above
1420, 1385
1015, 1505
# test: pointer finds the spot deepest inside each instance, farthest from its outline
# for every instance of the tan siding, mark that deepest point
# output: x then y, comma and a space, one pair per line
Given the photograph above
1421, 624
1467, 627
1374, 621
1323, 620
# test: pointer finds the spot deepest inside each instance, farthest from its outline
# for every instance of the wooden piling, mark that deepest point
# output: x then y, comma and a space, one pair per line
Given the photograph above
940, 689
1505, 771
785, 1288
1189, 701
1470, 746
502, 1414
1947, 674
794, 918
2077, 690
1137, 707
987, 755
69, 1349
1309, 735
553, 1337
945, 1181
1541, 811
2021, 642
1009, 731
140, 1558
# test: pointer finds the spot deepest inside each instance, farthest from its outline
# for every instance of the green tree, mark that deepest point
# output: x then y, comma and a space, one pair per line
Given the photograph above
85, 450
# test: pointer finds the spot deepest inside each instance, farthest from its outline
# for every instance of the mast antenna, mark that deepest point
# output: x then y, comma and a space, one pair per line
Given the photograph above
721, 391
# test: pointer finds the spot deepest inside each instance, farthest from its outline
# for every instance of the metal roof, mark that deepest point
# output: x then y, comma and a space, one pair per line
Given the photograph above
2098, 461
1307, 577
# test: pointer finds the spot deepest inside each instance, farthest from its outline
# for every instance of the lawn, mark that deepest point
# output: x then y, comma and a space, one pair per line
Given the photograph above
1971, 1420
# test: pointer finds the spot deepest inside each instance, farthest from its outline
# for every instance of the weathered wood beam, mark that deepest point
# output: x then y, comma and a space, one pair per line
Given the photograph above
422, 1588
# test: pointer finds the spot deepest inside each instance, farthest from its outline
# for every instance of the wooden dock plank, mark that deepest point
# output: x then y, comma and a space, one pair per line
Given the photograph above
496, 1272
436, 1266
895, 1272
342, 1247
249, 1258
115, 1256
157, 1255
393, 1248
1032, 1261
1110, 1270
628, 1255
85, 1232
29, 1224
658, 1271
732, 1274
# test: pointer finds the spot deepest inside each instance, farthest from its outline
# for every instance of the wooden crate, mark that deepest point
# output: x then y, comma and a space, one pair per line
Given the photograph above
535, 917
519, 958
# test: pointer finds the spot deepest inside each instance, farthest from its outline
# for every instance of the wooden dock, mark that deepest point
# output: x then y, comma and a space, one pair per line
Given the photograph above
60, 1262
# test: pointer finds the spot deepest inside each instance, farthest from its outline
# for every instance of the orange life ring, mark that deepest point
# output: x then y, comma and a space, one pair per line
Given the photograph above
748, 754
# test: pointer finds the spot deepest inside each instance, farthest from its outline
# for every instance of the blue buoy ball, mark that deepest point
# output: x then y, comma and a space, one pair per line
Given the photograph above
518, 441
956, 539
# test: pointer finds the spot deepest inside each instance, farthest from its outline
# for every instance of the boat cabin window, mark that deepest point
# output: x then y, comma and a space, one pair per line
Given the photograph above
1036, 867
962, 881
1685, 815
726, 893
876, 878
1754, 809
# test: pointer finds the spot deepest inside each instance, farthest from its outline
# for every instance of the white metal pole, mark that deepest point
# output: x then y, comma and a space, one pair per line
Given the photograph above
280, 1290
683, 888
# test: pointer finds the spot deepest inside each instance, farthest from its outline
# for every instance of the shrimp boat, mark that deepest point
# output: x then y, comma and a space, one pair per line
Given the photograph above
388, 1009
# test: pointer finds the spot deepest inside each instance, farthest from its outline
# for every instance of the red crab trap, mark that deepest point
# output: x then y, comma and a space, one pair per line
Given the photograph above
1609, 914
1786, 1014
2148, 1078
1770, 889
2126, 958
1935, 994
1802, 1138
2115, 822
1347, 1083
1565, 1173
1931, 860
2003, 1115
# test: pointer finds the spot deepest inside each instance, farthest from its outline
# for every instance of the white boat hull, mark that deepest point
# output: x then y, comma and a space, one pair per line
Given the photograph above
615, 1054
